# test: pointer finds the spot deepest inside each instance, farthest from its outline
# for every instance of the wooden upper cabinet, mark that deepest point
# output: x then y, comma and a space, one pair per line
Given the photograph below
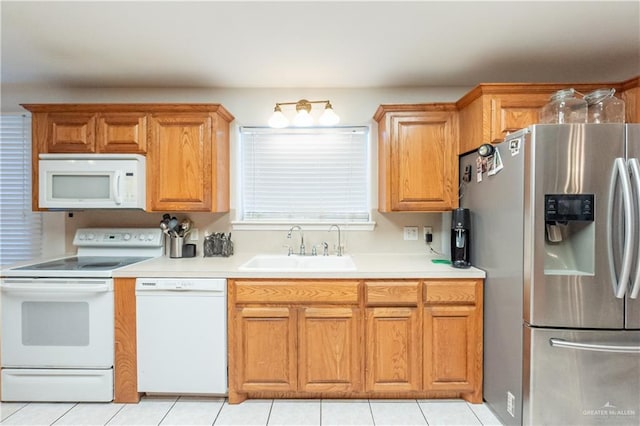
70, 132
180, 158
122, 132
82, 129
186, 146
188, 161
510, 113
417, 162
630, 94
489, 112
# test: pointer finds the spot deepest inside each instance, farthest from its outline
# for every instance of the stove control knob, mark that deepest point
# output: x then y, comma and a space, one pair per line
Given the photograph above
81, 236
90, 236
150, 237
141, 237
126, 236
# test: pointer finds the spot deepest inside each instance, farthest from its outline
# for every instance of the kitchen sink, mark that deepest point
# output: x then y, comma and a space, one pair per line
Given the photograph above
275, 262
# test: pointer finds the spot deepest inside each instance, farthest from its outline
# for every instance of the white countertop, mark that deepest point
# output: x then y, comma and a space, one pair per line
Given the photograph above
367, 266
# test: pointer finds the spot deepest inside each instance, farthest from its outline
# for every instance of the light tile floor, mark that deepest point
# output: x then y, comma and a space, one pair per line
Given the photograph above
215, 411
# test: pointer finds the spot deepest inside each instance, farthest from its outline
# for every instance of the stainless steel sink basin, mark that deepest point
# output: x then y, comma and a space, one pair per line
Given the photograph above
275, 262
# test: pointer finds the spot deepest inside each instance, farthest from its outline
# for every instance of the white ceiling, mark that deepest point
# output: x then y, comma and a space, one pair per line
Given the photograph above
359, 44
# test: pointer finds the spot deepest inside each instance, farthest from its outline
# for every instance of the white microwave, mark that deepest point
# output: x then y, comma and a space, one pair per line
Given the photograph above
92, 181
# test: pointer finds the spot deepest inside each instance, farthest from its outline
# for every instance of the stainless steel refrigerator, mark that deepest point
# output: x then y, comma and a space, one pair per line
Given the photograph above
555, 219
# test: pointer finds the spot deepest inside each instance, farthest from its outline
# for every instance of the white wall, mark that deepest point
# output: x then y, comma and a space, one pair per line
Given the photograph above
251, 107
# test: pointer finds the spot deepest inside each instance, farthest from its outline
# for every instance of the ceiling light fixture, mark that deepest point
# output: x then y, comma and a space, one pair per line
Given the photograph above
303, 116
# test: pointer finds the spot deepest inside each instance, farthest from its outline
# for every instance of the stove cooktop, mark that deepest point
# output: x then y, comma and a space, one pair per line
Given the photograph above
100, 252
83, 263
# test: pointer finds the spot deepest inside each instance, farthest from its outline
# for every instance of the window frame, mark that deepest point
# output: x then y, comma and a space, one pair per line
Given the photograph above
309, 224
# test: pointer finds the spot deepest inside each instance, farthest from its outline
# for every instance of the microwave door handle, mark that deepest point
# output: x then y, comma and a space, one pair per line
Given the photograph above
620, 172
634, 166
116, 187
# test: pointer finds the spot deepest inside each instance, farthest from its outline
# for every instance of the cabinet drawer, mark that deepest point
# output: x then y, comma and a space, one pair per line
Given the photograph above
450, 292
385, 293
332, 292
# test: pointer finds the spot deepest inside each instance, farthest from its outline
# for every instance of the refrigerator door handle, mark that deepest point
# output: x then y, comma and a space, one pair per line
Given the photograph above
634, 166
620, 172
596, 347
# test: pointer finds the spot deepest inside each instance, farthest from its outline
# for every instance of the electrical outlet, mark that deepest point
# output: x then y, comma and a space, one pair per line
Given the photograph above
193, 235
510, 403
427, 230
411, 233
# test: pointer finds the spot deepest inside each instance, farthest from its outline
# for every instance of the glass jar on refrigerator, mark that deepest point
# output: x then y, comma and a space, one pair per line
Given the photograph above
603, 107
564, 108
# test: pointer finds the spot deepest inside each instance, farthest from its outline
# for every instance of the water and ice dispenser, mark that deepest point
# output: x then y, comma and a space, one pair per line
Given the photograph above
569, 234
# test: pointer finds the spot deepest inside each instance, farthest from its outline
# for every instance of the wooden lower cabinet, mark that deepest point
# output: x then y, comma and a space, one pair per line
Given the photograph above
392, 349
452, 337
449, 348
125, 356
355, 339
266, 343
329, 350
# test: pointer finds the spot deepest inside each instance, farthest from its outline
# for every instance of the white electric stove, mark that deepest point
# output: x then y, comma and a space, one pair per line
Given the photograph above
58, 317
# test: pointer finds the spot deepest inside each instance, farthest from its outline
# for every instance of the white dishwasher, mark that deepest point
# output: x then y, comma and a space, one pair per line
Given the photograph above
182, 335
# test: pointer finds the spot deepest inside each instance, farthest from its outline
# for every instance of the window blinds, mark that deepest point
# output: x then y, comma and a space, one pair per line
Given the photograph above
304, 175
20, 228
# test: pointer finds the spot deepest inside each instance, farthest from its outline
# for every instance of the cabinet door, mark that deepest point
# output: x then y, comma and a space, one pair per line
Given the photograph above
393, 350
71, 132
631, 98
423, 162
513, 112
330, 351
179, 162
265, 352
451, 348
122, 132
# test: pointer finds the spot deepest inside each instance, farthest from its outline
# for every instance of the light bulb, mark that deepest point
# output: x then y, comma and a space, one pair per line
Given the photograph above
278, 119
329, 117
303, 119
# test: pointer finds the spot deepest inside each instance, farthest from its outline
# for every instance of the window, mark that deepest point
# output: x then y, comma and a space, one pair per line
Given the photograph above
310, 175
20, 228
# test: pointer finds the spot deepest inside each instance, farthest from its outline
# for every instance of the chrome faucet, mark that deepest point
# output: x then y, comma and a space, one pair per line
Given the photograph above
302, 249
339, 250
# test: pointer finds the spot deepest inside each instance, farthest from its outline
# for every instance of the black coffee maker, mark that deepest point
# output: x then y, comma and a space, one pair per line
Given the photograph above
460, 238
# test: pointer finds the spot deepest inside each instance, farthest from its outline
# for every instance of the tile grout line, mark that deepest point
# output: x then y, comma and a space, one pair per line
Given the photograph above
2, 420
373, 419
224, 401
65, 413
422, 412
169, 410
269, 415
114, 415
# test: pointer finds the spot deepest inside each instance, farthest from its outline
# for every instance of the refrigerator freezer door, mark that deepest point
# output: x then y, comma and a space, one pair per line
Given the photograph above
579, 377
569, 280
497, 246
633, 155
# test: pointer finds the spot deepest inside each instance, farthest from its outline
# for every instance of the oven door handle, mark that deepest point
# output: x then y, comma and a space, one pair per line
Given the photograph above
55, 288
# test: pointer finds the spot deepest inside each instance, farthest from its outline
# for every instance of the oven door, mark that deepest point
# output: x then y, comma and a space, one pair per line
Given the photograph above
57, 323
